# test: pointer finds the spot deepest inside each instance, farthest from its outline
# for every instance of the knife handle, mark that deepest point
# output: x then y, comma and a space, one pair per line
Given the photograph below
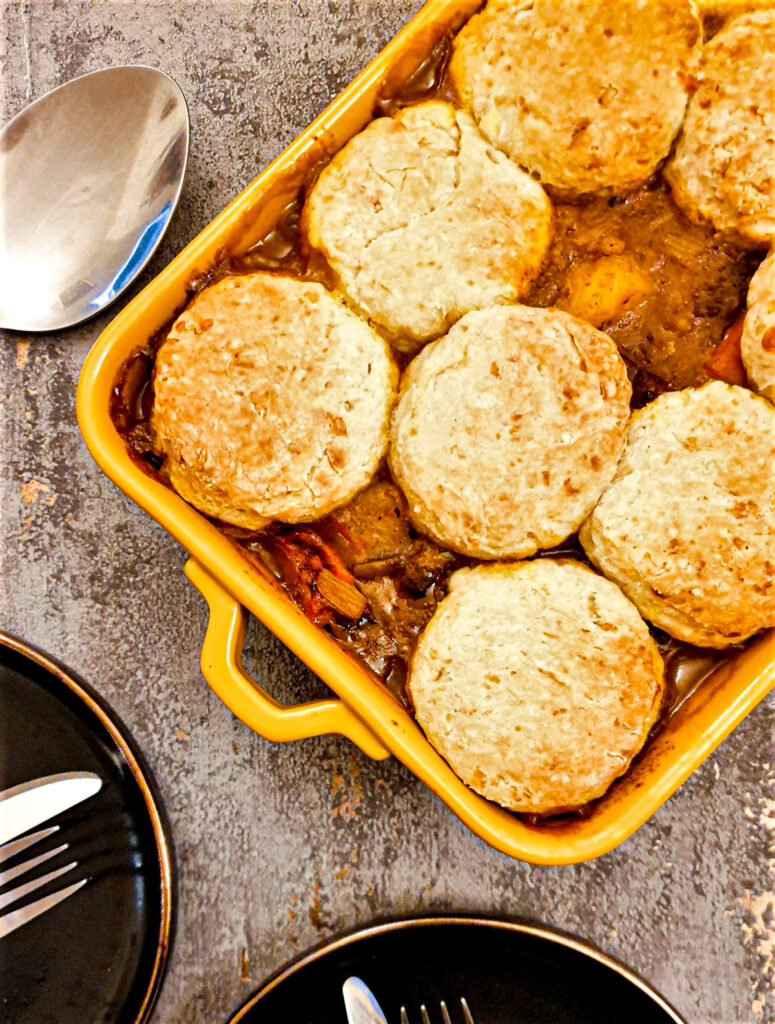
223, 672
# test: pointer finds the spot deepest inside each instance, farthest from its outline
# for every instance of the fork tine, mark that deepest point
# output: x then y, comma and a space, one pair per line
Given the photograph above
444, 1014
21, 890
28, 865
8, 850
16, 918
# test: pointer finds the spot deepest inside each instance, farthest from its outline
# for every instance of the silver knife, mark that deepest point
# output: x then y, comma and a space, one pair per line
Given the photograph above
361, 1006
31, 803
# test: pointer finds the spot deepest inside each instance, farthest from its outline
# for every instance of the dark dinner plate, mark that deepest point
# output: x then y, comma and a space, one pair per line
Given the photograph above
99, 955
508, 973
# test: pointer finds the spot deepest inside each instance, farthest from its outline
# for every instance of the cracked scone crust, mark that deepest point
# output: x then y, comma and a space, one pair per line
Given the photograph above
422, 221
588, 94
538, 682
726, 9
508, 429
757, 344
723, 167
271, 401
686, 528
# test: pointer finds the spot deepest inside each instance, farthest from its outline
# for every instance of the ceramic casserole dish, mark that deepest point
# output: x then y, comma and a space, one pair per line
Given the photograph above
364, 710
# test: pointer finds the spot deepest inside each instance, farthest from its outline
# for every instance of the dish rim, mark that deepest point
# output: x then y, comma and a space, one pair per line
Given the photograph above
706, 720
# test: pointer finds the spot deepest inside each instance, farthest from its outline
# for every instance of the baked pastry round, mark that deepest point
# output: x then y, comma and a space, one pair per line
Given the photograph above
271, 401
588, 94
508, 429
723, 167
757, 343
537, 681
422, 220
686, 528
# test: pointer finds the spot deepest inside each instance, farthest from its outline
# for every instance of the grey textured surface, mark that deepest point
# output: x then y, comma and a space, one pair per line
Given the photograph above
280, 847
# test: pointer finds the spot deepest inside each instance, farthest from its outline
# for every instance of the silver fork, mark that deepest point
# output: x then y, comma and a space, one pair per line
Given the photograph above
14, 919
467, 1016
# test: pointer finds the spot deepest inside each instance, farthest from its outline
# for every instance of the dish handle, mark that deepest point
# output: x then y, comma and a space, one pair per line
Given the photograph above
223, 671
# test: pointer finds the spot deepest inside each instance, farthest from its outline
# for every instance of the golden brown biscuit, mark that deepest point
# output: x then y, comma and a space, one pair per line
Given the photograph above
588, 94
537, 681
757, 344
686, 528
507, 430
271, 401
723, 167
423, 220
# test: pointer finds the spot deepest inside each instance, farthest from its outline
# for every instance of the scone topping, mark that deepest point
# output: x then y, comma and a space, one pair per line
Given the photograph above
538, 681
508, 429
687, 528
427, 183
271, 401
587, 94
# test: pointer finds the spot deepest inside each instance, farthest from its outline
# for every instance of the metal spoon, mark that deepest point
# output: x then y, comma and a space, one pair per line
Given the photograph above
90, 175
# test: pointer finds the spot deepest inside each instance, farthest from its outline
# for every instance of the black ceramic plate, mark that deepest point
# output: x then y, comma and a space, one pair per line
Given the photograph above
508, 973
99, 955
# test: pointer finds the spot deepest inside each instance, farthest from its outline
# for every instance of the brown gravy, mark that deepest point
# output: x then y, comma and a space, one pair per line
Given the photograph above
664, 288
429, 81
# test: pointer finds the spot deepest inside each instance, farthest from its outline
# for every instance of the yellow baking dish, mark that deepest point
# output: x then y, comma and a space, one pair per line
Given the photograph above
365, 711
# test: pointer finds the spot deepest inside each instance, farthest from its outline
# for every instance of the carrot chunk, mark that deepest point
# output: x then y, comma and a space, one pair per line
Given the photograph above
726, 363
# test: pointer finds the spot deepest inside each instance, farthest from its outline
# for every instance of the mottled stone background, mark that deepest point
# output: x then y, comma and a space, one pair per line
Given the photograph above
279, 847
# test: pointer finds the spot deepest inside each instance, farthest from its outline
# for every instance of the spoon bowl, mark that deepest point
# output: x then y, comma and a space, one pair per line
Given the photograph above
91, 174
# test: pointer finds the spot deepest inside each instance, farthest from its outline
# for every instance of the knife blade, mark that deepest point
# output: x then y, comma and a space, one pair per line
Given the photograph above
361, 1006
31, 803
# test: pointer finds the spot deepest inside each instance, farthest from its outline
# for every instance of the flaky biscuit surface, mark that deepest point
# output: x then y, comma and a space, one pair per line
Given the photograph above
687, 527
507, 430
271, 401
537, 681
423, 220
723, 167
588, 94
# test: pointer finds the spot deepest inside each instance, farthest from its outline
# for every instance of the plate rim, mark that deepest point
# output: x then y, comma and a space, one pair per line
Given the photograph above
518, 925
144, 779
